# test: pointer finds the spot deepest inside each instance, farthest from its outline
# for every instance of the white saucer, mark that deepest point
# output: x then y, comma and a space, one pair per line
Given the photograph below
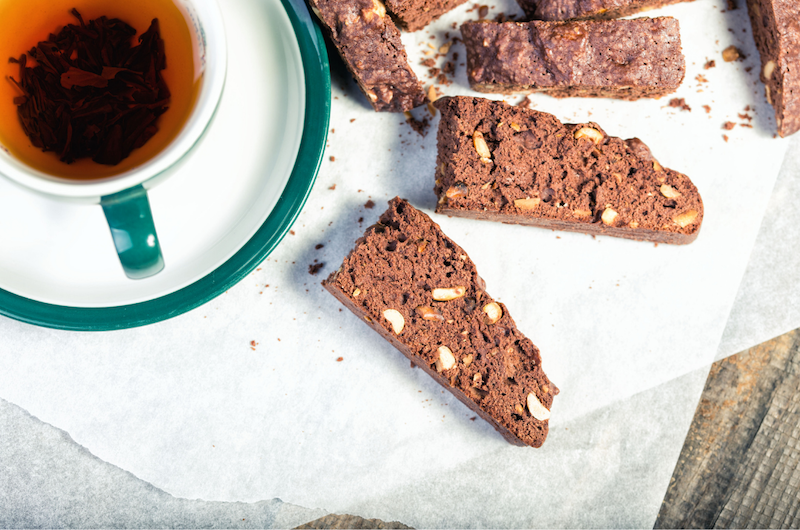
217, 218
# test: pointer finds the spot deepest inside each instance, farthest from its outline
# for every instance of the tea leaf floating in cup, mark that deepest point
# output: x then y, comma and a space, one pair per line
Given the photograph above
91, 93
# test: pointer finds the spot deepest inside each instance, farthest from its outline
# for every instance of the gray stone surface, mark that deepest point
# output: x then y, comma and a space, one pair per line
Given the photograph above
49, 481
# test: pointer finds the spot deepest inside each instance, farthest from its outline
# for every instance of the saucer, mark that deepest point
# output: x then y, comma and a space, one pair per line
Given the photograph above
218, 217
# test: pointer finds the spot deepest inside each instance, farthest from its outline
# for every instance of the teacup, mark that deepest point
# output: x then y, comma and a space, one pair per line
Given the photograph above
123, 196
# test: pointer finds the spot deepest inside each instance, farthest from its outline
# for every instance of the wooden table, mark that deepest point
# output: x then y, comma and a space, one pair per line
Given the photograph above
740, 463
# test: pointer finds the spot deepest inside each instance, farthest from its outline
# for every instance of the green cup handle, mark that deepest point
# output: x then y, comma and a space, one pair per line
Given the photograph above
131, 223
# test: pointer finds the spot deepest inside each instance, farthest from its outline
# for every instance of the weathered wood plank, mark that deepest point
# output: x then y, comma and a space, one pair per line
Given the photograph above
334, 521
740, 463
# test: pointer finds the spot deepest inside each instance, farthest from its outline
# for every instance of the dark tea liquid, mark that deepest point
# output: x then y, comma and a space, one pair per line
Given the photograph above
23, 23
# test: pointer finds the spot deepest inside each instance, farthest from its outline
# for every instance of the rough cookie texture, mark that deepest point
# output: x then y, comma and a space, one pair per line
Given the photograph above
521, 166
625, 59
588, 9
370, 46
776, 28
421, 292
413, 15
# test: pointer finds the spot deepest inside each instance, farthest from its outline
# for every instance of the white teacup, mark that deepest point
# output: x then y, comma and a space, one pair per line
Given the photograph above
123, 196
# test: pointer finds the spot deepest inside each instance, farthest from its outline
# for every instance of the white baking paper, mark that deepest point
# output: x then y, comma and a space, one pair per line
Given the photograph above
273, 390
767, 302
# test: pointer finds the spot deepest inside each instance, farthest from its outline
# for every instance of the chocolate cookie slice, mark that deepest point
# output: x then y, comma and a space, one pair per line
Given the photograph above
521, 166
370, 46
776, 28
588, 9
413, 15
421, 292
624, 59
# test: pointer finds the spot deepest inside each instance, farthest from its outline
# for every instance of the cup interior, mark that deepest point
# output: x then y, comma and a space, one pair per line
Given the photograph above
206, 30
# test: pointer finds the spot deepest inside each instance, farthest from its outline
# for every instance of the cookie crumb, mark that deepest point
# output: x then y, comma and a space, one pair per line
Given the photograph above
728, 125
369, 204
710, 64
732, 53
314, 268
680, 103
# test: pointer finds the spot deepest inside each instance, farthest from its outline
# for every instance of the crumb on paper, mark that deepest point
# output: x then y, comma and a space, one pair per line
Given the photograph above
728, 125
369, 204
732, 53
707, 108
701, 78
333, 159
339, 359
419, 126
292, 232
725, 137
680, 103
483, 12
318, 246
333, 187
710, 64
314, 268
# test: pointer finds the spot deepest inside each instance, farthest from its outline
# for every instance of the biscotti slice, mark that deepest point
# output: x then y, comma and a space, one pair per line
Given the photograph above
776, 28
521, 166
413, 15
624, 59
588, 9
370, 46
421, 292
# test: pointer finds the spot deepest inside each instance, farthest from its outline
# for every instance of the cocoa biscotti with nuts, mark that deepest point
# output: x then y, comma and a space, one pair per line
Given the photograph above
413, 15
623, 59
588, 9
370, 45
776, 29
422, 293
515, 165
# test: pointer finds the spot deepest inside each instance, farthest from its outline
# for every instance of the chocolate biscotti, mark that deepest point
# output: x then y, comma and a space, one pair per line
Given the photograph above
588, 9
521, 166
776, 28
370, 46
413, 15
625, 59
421, 292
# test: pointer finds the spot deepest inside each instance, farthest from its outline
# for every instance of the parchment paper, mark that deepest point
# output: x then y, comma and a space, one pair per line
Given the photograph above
246, 398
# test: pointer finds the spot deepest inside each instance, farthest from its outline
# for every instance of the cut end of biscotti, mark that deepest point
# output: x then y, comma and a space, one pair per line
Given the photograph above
422, 293
529, 168
370, 46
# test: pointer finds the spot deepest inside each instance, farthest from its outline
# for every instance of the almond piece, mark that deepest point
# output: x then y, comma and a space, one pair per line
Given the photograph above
467, 360
429, 313
493, 312
481, 147
446, 359
769, 69
609, 216
669, 192
445, 294
527, 204
590, 134
537, 409
395, 319
686, 218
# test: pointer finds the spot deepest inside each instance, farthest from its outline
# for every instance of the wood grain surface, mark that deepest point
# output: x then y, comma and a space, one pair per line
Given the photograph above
740, 463
334, 521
